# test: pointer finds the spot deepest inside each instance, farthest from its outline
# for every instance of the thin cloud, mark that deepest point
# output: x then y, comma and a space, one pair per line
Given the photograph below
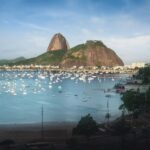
27, 45
131, 49
97, 20
31, 25
55, 14
123, 25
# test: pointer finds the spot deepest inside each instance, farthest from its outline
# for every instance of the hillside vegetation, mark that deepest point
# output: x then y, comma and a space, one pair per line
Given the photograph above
50, 57
11, 61
92, 53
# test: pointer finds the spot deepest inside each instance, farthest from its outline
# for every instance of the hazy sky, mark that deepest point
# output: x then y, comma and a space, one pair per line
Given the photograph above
26, 26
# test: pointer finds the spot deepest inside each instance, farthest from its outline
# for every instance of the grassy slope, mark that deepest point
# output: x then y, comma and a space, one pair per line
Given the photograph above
51, 57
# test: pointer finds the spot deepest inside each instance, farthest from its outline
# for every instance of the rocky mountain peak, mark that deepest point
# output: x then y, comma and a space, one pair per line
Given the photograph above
94, 43
58, 42
92, 53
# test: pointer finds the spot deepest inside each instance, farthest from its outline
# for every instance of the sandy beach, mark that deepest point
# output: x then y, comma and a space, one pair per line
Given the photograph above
23, 133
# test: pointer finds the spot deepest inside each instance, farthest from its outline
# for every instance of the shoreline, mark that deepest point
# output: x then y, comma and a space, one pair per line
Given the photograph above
23, 133
106, 70
38, 124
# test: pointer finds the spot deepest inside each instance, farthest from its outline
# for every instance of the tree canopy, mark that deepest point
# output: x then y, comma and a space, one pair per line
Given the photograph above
135, 101
144, 74
87, 126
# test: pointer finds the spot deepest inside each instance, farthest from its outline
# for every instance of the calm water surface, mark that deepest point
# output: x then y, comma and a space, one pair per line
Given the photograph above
65, 97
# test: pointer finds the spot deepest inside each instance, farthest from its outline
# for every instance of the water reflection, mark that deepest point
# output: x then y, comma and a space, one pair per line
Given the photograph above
64, 96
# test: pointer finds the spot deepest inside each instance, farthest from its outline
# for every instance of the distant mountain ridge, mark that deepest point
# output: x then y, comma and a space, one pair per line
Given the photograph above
91, 53
11, 61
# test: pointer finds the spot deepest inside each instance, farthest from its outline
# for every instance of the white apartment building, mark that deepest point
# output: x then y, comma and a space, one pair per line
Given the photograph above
138, 65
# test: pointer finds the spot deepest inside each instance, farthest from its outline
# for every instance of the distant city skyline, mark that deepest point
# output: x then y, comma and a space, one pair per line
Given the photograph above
27, 26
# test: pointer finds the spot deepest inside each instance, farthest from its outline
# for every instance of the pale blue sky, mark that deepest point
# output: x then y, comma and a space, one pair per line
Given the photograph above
26, 26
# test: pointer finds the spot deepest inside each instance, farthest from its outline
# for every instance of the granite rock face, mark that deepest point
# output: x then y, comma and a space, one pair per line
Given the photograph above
92, 53
58, 42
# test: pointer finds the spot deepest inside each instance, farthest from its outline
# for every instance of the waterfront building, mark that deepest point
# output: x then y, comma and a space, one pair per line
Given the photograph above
137, 65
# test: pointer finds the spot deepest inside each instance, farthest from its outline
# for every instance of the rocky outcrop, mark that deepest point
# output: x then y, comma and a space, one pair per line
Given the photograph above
58, 42
92, 53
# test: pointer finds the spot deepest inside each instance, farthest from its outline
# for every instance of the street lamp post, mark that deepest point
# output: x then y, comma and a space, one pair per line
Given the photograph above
108, 114
42, 125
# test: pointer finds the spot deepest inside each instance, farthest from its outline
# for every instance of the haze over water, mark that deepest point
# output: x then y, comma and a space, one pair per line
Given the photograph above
65, 96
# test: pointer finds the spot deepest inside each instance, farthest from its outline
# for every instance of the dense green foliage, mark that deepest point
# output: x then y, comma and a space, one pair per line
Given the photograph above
11, 61
137, 102
86, 126
144, 74
134, 101
95, 43
51, 57
78, 47
84, 46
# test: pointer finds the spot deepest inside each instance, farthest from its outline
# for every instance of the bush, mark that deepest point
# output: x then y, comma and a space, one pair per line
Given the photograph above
135, 101
144, 74
86, 126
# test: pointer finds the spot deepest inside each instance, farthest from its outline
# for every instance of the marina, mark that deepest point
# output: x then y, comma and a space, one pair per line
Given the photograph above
65, 96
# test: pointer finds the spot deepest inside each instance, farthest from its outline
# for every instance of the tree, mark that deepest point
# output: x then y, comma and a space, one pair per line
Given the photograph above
144, 74
132, 100
128, 101
135, 102
87, 126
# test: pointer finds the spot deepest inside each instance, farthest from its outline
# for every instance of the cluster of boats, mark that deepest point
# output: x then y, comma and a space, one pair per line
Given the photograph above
15, 82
